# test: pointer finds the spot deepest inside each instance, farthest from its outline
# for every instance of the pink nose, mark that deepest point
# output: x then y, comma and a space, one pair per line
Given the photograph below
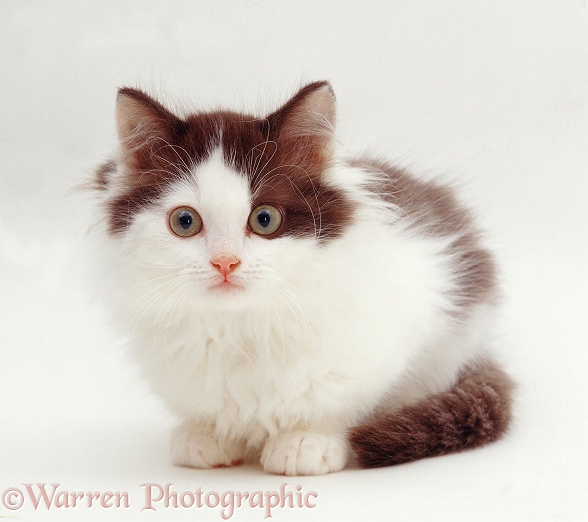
225, 264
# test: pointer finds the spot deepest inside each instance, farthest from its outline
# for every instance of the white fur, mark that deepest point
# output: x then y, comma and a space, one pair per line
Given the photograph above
319, 338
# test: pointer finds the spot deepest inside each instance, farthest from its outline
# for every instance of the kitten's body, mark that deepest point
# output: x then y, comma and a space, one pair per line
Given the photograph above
372, 297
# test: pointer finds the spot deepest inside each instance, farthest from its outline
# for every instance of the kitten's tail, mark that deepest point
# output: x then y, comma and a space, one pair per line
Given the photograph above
477, 410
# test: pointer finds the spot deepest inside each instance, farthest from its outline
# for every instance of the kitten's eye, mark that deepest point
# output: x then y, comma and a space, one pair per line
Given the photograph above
185, 222
265, 220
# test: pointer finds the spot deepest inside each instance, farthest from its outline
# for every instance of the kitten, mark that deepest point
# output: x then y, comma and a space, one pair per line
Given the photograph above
292, 305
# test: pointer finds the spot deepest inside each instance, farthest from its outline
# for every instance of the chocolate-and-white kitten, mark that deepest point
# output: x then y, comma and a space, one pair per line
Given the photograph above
292, 304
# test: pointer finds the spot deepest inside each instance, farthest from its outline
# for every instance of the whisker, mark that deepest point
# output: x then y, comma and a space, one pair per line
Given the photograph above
317, 230
182, 294
159, 291
143, 263
277, 315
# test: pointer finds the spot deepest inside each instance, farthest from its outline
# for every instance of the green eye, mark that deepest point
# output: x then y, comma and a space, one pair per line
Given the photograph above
265, 220
185, 222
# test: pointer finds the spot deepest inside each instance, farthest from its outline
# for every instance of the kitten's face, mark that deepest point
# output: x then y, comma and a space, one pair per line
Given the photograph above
221, 209
200, 231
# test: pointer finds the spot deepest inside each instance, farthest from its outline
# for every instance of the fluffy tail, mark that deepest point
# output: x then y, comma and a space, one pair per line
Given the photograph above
477, 410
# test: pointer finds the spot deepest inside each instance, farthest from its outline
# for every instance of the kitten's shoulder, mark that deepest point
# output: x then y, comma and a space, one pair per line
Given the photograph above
432, 211
426, 202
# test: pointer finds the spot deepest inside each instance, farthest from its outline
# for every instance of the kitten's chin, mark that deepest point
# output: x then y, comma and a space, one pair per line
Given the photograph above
228, 295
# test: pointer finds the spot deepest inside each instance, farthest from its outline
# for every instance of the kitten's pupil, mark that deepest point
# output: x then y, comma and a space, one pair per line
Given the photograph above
185, 220
264, 218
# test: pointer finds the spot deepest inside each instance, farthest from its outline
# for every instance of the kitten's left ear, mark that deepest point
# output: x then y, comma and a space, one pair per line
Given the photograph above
309, 114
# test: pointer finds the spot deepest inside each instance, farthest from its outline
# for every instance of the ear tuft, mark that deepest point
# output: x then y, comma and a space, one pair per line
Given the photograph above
309, 113
139, 118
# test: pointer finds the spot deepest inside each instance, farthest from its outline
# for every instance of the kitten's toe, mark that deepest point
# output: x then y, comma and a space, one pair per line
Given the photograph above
198, 447
304, 453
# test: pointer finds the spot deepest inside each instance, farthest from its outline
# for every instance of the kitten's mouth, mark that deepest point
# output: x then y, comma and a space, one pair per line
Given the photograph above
226, 286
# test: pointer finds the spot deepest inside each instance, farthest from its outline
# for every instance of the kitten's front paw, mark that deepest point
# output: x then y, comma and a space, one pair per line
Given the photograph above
304, 453
198, 447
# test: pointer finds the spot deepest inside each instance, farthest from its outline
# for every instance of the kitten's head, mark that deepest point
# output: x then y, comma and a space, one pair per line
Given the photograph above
223, 208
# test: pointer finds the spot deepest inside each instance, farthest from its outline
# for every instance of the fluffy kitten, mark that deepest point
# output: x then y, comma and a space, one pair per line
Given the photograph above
294, 305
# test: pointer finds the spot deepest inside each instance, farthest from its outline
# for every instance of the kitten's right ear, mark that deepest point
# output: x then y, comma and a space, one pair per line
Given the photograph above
140, 120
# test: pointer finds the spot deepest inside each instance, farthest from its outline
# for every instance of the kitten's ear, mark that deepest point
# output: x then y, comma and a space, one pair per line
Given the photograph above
310, 113
140, 120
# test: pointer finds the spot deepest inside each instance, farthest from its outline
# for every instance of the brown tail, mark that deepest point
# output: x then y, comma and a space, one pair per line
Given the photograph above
474, 412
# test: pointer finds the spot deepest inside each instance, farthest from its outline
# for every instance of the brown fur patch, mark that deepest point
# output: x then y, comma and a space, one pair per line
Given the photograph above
476, 411
283, 156
102, 174
434, 209
287, 167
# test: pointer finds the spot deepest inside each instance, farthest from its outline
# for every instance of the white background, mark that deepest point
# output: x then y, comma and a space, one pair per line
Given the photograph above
492, 94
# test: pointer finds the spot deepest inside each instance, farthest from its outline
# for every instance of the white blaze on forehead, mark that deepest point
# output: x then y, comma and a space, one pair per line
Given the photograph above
224, 203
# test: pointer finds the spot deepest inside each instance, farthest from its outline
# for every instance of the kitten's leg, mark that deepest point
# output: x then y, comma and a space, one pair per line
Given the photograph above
198, 446
304, 453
